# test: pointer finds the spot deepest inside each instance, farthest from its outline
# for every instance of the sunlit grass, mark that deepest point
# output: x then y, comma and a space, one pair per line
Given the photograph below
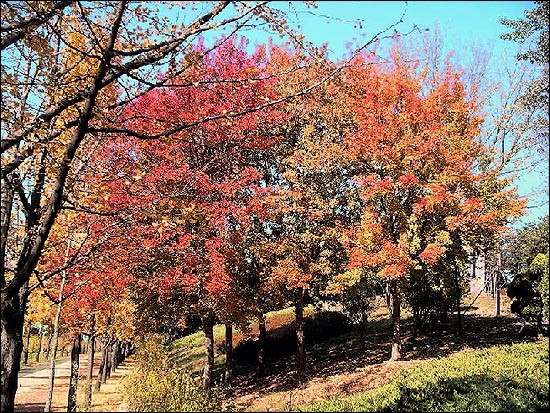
500, 378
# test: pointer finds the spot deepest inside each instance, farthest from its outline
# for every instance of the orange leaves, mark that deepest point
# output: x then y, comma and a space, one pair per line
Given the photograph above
394, 271
388, 259
408, 179
417, 150
431, 253
288, 272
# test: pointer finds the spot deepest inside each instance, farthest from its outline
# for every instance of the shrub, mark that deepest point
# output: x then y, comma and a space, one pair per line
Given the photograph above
282, 341
154, 385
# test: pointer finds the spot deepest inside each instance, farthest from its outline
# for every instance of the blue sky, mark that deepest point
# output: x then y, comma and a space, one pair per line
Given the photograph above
461, 21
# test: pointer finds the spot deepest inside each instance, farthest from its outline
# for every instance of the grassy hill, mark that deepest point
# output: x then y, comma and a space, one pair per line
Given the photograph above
490, 367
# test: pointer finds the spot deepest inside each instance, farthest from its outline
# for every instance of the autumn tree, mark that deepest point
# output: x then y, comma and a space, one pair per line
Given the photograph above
300, 249
53, 111
511, 94
415, 156
189, 198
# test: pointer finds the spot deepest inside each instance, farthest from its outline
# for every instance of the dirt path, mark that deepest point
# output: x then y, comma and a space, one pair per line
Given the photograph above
33, 387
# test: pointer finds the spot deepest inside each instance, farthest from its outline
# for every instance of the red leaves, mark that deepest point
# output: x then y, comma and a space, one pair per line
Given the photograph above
408, 179
190, 196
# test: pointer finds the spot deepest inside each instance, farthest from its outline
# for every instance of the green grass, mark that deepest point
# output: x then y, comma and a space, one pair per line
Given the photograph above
500, 378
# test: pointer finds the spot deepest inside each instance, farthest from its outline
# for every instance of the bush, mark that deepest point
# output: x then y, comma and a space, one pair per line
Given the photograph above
154, 385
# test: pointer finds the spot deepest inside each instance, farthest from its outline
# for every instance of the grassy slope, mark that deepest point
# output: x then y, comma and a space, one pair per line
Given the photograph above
510, 378
357, 361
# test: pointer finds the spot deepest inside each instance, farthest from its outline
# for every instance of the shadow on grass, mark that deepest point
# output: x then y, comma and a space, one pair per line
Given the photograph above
29, 407
353, 349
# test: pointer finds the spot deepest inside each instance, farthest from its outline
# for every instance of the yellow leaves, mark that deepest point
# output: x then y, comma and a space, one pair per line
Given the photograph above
39, 307
347, 279
443, 238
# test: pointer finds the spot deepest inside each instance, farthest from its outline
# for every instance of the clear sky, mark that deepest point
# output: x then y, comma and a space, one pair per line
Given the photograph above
461, 21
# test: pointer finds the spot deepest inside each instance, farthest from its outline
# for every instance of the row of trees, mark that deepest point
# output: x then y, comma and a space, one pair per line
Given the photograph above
67, 68
375, 174
151, 180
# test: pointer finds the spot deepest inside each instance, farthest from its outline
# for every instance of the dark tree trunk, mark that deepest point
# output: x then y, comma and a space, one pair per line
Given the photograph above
228, 376
458, 298
497, 281
488, 280
262, 341
49, 345
90, 368
395, 300
208, 329
6, 204
114, 356
27, 344
75, 364
301, 352
107, 366
12, 347
101, 368
40, 335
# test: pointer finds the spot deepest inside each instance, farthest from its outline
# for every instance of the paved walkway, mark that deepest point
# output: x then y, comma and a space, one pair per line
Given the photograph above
33, 386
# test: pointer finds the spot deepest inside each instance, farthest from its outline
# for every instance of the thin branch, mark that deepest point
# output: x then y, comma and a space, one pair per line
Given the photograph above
17, 31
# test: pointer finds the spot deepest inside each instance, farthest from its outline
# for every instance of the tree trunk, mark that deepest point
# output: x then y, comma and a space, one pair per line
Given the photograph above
27, 343
90, 367
208, 329
101, 368
488, 280
114, 356
14, 292
75, 364
262, 341
497, 273
107, 365
49, 345
6, 204
458, 299
40, 335
55, 336
228, 376
395, 300
11, 344
301, 352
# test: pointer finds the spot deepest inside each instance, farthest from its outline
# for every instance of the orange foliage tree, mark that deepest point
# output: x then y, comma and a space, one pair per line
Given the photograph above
415, 156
